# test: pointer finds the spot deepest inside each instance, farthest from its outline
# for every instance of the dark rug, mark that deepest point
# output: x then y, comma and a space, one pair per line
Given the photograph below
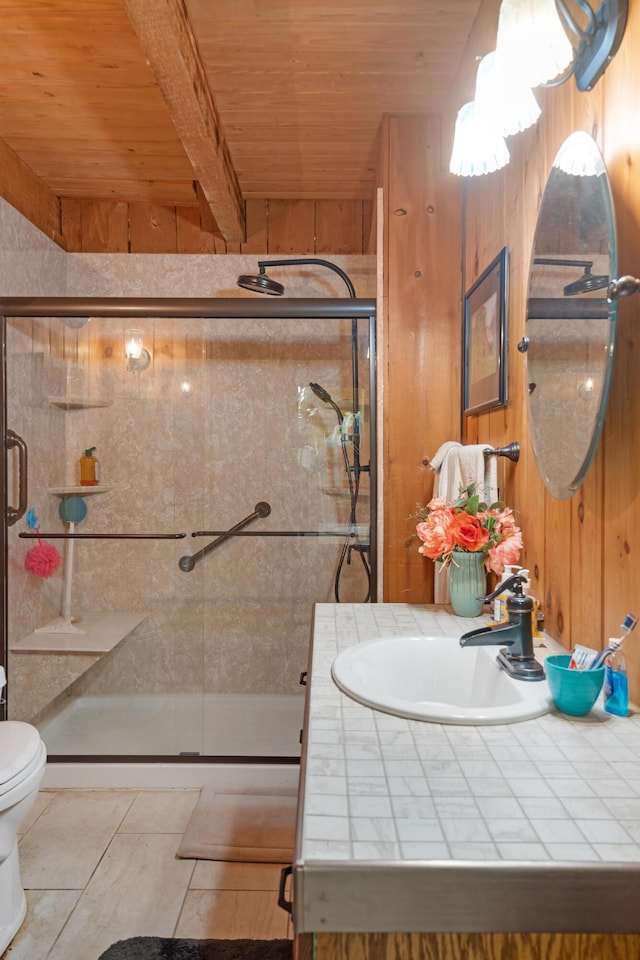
165, 948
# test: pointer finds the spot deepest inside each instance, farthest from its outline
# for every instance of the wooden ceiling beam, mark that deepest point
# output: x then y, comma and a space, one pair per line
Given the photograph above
28, 194
166, 37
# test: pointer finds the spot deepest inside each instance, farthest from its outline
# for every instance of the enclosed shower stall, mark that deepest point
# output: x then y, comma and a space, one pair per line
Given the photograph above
235, 441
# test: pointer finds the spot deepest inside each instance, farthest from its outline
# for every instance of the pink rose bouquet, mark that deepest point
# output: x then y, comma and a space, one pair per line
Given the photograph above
469, 526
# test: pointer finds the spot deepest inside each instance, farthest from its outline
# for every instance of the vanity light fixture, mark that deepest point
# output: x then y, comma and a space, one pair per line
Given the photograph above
532, 44
138, 358
539, 42
503, 99
478, 147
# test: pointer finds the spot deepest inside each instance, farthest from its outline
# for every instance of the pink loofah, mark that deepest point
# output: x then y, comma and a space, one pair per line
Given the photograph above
42, 560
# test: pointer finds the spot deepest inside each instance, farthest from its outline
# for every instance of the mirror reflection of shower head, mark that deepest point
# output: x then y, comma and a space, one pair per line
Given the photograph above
585, 284
325, 396
261, 284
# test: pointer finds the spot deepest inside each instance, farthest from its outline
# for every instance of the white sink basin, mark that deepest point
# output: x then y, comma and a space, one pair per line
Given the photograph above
434, 678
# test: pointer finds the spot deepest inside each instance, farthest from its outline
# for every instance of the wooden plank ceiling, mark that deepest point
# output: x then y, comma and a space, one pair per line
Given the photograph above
212, 102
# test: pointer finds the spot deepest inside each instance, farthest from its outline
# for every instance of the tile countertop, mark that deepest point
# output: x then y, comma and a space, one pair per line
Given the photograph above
412, 826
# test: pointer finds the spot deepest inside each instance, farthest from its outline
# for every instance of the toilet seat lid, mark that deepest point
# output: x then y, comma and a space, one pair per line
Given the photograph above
19, 744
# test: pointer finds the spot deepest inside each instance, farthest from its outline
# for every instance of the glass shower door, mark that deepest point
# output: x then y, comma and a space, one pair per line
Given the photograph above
144, 643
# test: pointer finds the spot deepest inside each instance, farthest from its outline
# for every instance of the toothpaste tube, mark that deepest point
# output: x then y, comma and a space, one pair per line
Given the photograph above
582, 658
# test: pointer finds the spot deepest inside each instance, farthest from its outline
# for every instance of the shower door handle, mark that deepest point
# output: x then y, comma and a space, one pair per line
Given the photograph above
282, 897
12, 440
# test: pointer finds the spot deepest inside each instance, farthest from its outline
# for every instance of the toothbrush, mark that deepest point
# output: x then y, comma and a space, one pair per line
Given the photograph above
626, 626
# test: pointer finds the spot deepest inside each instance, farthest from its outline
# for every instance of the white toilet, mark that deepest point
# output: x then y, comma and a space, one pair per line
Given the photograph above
22, 761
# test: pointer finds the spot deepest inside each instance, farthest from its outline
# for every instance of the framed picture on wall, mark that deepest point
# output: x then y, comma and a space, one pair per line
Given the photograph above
485, 339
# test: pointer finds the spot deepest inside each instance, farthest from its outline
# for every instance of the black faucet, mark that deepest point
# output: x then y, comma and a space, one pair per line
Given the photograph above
518, 660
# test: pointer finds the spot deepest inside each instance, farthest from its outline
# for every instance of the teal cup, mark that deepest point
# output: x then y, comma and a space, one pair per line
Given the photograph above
574, 691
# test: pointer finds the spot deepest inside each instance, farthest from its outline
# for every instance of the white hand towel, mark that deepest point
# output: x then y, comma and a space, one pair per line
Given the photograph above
457, 466
446, 464
472, 465
490, 478
442, 453
481, 470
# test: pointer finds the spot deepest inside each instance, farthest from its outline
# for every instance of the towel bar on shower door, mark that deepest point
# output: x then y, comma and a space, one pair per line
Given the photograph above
103, 536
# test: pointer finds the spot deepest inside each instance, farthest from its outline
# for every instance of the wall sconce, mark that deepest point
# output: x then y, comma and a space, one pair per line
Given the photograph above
533, 48
477, 147
138, 358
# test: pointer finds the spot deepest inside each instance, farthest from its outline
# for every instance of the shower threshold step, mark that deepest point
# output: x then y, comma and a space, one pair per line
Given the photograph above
93, 633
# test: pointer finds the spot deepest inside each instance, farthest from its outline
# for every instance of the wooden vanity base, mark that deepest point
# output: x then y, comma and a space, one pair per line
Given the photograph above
475, 946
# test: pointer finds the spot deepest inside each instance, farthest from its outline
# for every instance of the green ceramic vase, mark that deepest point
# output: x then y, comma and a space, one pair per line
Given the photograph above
467, 581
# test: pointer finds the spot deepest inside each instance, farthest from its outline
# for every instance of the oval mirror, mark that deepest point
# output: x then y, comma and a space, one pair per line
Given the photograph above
570, 326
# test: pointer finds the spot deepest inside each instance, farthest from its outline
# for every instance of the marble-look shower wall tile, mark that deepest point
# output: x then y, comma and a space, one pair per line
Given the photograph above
31, 265
201, 275
37, 681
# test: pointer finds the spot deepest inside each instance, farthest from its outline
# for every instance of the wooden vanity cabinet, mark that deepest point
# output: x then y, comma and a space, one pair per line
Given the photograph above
468, 946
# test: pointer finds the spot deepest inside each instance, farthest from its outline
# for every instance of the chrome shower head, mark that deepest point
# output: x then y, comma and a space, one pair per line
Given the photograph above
325, 396
261, 284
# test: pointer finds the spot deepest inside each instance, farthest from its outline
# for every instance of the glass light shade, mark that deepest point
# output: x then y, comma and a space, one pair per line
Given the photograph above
477, 148
531, 41
133, 344
505, 103
579, 156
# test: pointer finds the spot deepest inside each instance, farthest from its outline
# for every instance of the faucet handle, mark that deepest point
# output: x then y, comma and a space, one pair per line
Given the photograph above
511, 583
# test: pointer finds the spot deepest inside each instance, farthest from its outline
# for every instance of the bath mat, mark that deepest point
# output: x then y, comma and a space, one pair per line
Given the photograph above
252, 828
165, 948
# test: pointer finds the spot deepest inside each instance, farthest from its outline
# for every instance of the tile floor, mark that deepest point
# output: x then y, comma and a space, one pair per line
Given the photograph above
100, 866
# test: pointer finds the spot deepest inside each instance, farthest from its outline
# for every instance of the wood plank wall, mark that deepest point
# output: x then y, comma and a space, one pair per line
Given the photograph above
273, 227
582, 551
421, 374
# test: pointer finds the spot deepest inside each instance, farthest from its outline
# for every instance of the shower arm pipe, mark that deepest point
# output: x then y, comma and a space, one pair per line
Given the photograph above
187, 563
558, 262
305, 261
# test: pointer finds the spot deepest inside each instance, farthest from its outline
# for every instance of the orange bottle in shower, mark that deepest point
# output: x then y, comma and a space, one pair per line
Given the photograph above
88, 469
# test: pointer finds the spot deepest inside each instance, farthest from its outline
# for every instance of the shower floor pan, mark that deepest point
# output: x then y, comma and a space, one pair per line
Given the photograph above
212, 725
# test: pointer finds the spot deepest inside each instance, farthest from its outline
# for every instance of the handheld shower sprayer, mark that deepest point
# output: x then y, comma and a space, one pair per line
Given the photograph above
325, 396
353, 479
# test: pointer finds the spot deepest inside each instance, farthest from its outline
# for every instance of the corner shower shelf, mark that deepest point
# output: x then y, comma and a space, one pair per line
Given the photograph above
103, 632
78, 403
79, 491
